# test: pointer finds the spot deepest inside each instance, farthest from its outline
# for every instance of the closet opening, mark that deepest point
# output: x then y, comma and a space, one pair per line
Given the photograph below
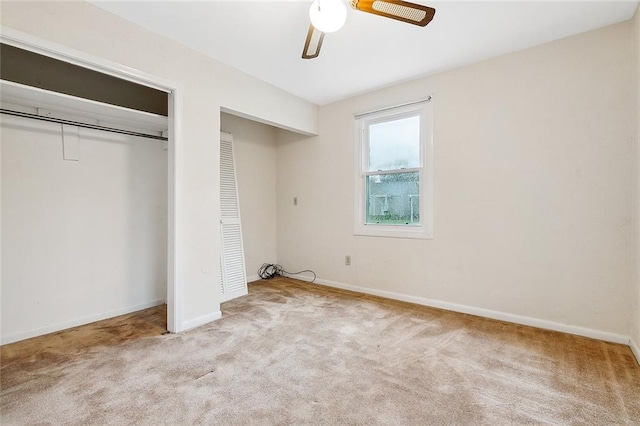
88, 186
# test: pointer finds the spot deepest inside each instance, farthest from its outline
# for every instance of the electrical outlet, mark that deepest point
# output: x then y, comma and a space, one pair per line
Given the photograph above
295, 201
347, 260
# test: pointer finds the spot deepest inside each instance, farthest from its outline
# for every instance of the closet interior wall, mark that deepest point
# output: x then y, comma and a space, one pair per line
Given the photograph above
83, 238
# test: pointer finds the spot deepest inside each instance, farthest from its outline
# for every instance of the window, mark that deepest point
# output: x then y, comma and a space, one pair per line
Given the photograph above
394, 172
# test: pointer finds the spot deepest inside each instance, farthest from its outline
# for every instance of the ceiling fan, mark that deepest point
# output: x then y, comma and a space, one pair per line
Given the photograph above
328, 16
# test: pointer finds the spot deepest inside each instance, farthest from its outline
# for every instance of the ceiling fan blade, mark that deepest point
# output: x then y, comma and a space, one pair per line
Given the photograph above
404, 11
313, 43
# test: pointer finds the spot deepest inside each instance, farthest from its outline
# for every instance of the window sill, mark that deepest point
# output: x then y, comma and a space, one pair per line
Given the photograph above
415, 232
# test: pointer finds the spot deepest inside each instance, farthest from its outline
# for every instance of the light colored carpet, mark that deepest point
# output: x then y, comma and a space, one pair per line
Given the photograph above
292, 353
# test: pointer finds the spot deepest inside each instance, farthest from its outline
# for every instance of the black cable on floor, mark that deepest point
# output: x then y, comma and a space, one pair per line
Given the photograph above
272, 270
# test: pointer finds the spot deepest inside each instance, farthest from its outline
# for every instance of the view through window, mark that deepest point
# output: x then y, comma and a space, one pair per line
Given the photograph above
393, 178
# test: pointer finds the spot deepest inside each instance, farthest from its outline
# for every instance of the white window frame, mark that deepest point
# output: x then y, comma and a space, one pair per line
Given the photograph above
361, 149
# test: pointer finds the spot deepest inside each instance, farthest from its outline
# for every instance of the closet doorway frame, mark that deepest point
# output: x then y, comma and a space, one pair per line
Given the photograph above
174, 90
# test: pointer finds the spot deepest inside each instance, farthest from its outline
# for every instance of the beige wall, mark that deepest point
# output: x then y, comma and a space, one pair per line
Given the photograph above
254, 147
635, 336
207, 85
533, 188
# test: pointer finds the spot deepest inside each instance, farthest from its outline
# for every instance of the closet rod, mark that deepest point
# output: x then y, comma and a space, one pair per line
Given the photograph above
85, 125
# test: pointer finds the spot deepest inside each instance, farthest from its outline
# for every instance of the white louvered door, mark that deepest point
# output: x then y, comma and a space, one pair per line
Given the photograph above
233, 278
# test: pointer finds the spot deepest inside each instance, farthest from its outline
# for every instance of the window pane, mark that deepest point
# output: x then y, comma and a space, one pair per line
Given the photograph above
393, 199
394, 144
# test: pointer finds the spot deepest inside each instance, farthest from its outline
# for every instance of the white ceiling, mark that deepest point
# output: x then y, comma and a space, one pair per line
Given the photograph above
265, 38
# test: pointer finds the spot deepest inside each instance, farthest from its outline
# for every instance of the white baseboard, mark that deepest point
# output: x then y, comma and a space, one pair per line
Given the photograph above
487, 313
22, 335
635, 349
253, 278
197, 322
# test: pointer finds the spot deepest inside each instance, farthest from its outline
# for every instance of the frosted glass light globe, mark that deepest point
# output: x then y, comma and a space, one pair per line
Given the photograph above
328, 15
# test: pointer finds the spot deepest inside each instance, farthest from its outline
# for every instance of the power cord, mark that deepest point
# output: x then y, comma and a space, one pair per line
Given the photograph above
272, 270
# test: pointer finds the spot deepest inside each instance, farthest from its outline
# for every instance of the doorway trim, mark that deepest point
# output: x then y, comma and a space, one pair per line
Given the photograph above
35, 44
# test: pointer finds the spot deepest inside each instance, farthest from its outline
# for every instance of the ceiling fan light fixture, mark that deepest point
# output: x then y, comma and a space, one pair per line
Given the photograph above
328, 15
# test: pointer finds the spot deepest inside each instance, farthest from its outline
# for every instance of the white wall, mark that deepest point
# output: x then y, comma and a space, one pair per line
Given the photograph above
533, 188
254, 147
82, 240
207, 85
